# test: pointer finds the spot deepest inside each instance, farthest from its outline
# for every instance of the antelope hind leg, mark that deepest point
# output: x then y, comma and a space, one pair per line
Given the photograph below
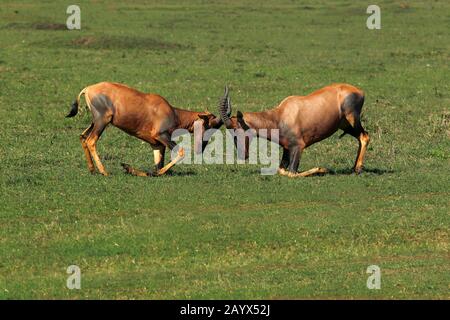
87, 153
91, 141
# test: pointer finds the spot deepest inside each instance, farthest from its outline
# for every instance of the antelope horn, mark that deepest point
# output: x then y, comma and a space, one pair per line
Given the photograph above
225, 108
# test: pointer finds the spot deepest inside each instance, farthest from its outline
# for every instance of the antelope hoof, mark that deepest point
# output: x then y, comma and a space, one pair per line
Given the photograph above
357, 170
127, 168
160, 173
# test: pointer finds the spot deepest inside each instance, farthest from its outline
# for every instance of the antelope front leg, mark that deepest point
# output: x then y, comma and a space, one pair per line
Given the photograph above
284, 160
179, 157
135, 172
158, 156
165, 140
310, 172
294, 161
290, 161
160, 170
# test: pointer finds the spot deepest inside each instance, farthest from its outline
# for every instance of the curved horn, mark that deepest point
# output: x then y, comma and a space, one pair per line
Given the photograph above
225, 108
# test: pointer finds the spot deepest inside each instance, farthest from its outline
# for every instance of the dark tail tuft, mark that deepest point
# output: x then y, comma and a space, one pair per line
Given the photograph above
73, 110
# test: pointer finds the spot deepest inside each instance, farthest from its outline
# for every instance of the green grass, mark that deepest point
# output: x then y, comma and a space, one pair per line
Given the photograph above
225, 231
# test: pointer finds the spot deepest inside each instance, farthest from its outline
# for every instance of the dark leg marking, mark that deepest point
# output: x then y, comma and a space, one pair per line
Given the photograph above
285, 159
294, 158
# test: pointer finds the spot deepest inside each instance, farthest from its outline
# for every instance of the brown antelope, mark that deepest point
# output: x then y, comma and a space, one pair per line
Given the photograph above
148, 117
305, 120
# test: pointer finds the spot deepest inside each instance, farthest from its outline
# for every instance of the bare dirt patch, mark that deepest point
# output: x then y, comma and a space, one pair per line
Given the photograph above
49, 26
35, 26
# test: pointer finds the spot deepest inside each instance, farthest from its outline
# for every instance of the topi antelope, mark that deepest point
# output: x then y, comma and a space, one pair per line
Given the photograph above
303, 121
148, 117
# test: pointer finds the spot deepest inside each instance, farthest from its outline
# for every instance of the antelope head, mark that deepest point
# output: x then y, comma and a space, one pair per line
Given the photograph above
240, 127
209, 121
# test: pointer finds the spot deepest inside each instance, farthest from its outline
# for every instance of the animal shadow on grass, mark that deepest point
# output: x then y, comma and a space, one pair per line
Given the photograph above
180, 173
132, 171
349, 171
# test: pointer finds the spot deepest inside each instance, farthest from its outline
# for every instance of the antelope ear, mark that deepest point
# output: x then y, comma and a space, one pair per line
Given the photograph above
240, 118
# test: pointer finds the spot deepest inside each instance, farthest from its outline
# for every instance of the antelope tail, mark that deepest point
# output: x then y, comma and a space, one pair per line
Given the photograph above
75, 104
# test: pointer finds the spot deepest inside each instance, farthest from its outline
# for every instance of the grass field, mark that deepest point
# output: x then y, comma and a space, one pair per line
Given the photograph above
225, 231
